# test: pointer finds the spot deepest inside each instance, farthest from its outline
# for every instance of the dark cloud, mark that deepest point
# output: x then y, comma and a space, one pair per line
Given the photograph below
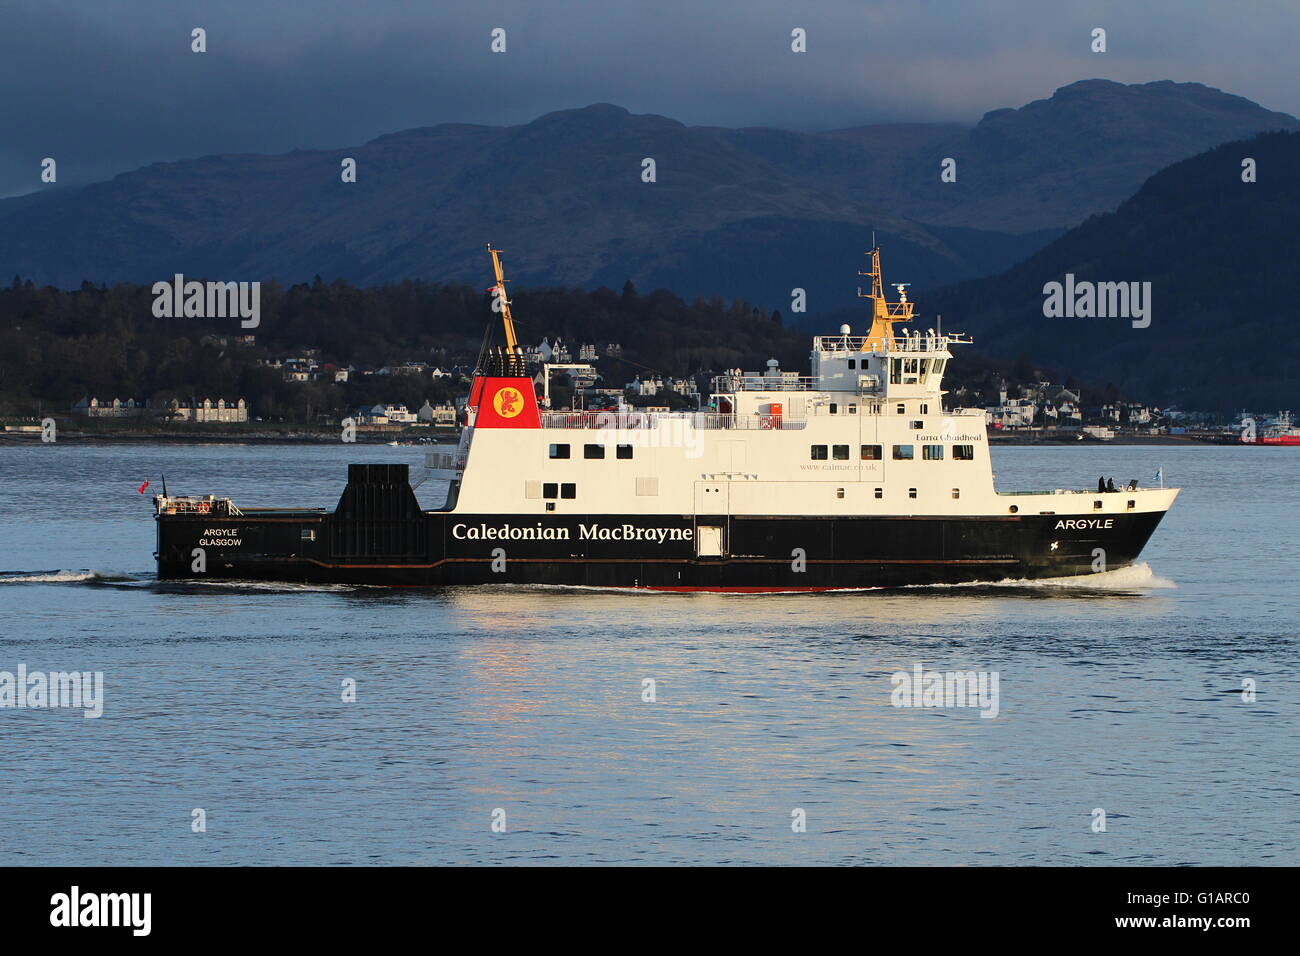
108, 85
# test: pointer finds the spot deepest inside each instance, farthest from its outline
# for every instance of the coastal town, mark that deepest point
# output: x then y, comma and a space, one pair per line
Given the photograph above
587, 377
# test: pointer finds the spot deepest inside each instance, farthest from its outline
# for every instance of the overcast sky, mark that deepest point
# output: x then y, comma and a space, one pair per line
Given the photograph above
106, 86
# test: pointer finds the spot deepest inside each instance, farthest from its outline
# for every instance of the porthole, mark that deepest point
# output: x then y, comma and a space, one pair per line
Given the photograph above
1014, 508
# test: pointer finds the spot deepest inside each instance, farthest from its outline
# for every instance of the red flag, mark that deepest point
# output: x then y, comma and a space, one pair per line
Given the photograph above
144, 486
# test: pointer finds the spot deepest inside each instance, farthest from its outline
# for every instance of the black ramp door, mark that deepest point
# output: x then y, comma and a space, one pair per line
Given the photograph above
378, 516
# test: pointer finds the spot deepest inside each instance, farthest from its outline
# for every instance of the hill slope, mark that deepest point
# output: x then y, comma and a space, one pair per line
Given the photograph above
1220, 255
749, 212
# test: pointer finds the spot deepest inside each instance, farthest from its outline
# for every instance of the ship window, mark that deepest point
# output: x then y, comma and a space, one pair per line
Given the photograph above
902, 453
623, 451
550, 506
835, 408
871, 453
1014, 508
880, 492
853, 409
895, 371
1096, 506
916, 424
1132, 503
840, 452
559, 451
956, 492
938, 366
839, 492
963, 452
924, 409
818, 452
853, 363
593, 451
901, 409
309, 534
911, 492
568, 490
550, 490
932, 452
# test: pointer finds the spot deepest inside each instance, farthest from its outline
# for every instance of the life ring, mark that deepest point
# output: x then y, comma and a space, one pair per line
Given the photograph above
202, 507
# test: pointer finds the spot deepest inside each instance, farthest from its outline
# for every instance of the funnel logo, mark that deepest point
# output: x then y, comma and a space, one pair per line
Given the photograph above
508, 402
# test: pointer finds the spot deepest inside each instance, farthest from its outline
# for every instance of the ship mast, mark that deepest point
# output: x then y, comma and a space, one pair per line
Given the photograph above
883, 313
512, 344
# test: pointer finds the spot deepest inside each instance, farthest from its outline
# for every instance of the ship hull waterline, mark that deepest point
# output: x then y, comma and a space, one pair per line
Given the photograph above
757, 554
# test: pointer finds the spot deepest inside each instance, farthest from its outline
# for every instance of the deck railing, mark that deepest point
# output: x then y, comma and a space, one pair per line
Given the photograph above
707, 421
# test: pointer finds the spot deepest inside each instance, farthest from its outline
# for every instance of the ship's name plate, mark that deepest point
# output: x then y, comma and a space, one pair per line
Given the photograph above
586, 532
1084, 524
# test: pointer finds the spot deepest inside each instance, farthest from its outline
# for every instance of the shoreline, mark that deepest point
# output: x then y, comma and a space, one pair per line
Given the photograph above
332, 437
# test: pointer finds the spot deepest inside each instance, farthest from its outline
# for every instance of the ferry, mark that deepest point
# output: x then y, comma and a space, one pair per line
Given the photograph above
854, 476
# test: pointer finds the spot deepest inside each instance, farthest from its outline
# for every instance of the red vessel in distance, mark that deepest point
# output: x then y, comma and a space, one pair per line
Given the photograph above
1279, 432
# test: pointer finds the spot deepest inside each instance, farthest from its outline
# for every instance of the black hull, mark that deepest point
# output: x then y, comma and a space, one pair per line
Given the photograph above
638, 551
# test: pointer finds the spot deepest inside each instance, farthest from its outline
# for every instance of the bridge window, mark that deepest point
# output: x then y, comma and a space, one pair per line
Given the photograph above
932, 452
895, 371
568, 490
840, 452
871, 453
593, 451
902, 453
963, 452
559, 451
818, 453
623, 451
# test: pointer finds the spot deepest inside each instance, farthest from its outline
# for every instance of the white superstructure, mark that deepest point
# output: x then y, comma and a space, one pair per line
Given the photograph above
866, 433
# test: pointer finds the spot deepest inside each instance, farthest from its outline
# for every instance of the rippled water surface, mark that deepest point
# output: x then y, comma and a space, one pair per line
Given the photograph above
1121, 692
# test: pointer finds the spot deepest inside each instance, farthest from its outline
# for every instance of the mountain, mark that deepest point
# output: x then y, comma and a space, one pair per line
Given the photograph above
752, 213
1220, 255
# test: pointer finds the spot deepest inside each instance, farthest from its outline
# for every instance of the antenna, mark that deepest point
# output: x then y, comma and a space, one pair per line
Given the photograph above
512, 344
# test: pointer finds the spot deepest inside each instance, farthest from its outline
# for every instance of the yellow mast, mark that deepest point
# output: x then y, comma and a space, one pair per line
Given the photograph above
512, 344
883, 313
